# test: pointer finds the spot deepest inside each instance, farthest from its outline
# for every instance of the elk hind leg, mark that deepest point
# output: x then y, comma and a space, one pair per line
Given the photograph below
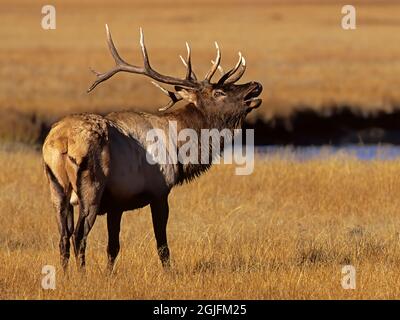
60, 198
90, 186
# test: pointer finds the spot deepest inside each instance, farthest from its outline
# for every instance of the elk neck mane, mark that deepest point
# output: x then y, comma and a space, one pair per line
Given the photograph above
195, 118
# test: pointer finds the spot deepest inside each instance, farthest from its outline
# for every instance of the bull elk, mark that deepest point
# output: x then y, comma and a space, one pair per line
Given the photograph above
99, 162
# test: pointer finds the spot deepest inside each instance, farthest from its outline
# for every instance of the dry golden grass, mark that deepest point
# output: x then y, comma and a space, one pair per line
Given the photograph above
283, 232
296, 49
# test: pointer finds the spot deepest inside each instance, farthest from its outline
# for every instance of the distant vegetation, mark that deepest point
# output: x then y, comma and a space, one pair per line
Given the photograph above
283, 232
298, 51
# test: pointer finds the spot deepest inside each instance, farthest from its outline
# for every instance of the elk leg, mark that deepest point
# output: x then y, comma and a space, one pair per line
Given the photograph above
90, 184
159, 212
86, 220
67, 229
88, 210
65, 214
70, 220
113, 227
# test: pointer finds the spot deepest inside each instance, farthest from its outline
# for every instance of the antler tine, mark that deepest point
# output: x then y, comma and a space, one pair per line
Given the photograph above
120, 64
190, 75
238, 74
165, 91
193, 77
175, 97
155, 75
144, 51
232, 71
169, 105
183, 61
220, 69
215, 65
189, 63
94, 71
114, 53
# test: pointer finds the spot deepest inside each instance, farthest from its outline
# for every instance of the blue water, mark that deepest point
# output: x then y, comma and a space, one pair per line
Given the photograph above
362, 152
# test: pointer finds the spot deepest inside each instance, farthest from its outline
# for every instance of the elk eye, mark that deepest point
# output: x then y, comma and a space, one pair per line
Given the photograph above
219, 93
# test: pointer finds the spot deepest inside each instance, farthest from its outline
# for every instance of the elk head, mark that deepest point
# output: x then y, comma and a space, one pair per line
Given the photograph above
223, 99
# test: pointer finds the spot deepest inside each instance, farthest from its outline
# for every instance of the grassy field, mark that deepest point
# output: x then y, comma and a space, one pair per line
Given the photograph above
285, 231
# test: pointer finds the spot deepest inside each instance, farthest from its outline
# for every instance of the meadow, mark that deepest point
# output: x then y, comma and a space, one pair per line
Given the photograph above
284, 232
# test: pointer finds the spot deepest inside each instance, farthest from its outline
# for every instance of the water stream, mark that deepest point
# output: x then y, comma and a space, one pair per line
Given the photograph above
362, 152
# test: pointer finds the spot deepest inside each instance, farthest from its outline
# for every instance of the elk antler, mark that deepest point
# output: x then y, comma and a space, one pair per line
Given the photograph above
241, 63
175, 97
123, 66
190, 80
215, 65
220, 69
225, 77
190, 75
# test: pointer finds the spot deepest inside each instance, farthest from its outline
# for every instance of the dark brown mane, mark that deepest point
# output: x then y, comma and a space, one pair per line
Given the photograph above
194, 118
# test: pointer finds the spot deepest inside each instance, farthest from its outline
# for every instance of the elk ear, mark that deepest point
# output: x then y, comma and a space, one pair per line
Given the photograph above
187, 94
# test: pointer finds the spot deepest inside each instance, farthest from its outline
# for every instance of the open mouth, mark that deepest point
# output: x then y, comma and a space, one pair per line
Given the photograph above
251, 99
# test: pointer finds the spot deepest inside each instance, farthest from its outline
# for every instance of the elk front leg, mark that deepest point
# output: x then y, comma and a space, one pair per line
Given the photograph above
113, 227
159, 212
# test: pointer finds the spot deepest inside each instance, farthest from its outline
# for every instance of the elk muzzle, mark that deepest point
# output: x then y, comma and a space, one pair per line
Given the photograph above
251, 99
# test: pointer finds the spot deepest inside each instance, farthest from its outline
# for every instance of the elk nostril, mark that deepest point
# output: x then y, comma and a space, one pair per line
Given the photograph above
257, 87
